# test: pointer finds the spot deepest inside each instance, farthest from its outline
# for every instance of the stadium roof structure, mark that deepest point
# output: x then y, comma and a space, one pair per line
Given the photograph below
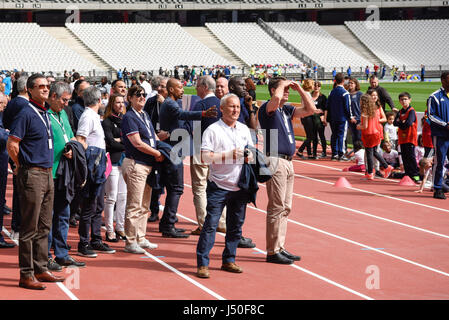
214, 4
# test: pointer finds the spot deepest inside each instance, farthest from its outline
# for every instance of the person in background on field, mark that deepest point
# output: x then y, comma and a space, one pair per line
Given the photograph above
438, 113
319, 121
355, 94
371, 136
426, 134
359, 157
407, 122
390, 131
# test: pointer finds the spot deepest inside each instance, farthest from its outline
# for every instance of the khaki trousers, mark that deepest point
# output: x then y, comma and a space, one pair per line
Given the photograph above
280, 192
36, 204
199, 174
138, 198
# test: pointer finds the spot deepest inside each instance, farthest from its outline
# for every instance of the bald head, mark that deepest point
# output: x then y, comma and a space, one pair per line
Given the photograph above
237, 86
221, 87
175, 89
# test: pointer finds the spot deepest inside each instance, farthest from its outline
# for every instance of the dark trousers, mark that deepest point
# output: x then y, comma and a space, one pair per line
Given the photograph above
318, 132
441, 146
36, 197
217, 199
90, 219
355, 134
174, 185
3, 180
307, 123
155, 203
372, 153
427, 151
409, 159
60, 226
337, 137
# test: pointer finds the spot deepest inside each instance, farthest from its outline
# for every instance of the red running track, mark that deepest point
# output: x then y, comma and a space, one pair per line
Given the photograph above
376, 240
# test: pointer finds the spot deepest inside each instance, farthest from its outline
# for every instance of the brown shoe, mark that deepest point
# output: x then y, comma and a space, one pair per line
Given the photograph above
222, 230
203, 272
30, 283
196, 232
231, 267
47, 276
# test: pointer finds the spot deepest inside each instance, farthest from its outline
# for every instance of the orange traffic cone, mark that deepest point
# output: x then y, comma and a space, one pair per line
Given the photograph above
342, 183
406, 181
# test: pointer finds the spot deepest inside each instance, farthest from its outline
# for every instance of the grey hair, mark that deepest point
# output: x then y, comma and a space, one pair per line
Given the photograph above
91, 96
227, 97
22, 83
207, 81
59, 88
156, 81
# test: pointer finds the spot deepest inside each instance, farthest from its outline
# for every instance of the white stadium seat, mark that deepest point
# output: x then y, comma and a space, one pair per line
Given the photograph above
406, 42
26, 46
145, 46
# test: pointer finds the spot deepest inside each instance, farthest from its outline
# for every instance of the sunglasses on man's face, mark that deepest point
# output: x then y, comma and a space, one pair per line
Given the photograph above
43, 86
139, 94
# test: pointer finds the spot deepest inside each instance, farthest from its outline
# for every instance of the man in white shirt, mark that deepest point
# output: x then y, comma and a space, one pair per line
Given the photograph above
91, 135
145, 84
222, 148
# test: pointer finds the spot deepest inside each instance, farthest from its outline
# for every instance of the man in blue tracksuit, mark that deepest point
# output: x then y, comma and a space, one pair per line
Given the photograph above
339, 110
438, 111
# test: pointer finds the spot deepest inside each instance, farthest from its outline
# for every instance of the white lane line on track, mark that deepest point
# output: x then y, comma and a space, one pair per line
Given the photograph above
361, 245
293, 265
368, 214
179, 273
376, 194
182, 275
59, 284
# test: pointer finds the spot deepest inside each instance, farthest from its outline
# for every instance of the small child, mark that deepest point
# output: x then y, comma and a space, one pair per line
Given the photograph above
419, 150
426, 135
359, 156
390, 131
407, 122
391, 156
371, 136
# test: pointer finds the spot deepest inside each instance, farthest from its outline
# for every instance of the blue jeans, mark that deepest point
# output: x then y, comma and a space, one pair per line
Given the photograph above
355, 134
337, 137
60, 226
217, 199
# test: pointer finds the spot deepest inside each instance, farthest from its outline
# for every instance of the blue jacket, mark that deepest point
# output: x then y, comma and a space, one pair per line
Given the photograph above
96, 168
339, 105
171, 117
77, 109
438, 113
3, 137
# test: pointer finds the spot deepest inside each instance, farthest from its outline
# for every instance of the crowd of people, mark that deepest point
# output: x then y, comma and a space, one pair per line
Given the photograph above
385, 143
86, 154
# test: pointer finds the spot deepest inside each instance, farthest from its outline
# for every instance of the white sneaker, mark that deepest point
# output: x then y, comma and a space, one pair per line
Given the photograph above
134, 248
147, 244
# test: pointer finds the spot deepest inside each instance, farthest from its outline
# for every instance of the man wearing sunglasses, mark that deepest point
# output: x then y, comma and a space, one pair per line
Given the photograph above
30, 146
172, 117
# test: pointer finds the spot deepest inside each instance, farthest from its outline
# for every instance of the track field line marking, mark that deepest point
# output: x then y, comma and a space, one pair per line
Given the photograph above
338, 169
361, 245
59, 284
182, 275
376, 194
370, 215
295, 266
362, 190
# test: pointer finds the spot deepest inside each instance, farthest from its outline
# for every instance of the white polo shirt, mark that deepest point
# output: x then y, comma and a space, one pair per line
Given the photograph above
219, 137
89, 126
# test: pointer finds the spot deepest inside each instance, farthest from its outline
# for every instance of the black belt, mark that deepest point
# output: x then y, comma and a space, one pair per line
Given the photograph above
280, 155
37, 168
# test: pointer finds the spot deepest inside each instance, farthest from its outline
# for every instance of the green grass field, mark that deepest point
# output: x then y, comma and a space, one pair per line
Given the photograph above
419, 92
